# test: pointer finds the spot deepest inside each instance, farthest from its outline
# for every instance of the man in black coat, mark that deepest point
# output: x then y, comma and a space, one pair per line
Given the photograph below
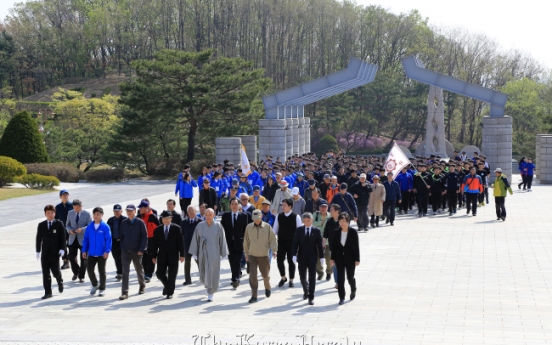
188, 226
50, 241
176, 218
307, 249
115, 226
166, 248
208, 195
234, 224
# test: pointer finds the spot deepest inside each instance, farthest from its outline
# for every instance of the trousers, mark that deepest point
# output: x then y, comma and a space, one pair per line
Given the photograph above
262, 263
423, 199
234, 259
362, 216
500, 205
50, 263
187, 267
348, 268
166, 273
405, 195
310, 286
389, 210
74, 251
327, 258
126, 258
116, 253
284, 249
149, 266
452, 202
91, 267
471, 202
184, 203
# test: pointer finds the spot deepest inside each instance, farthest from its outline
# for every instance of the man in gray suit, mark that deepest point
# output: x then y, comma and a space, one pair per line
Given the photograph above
77, 221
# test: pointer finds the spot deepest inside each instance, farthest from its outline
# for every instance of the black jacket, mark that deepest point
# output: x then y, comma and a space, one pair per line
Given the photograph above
176, 218
234, 234
50, 242
363, 192
111, 221
312, 206
348, 254
208, 196
134, 236
308, 250
188, 230
169, 250
270, 191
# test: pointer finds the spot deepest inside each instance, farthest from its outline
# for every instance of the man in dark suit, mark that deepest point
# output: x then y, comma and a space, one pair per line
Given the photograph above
188, 226
234, 224
307, 250
166, 248
50, 241
176, 217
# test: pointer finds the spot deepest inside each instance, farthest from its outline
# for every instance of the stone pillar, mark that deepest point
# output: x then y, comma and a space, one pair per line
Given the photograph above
228, 148
289, 140
537, 154
545, 159
272, 138
307, 134
294, 137
250, 144
301, 136
497, 143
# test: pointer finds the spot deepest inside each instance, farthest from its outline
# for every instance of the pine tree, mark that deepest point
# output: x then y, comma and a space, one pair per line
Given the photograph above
22, 141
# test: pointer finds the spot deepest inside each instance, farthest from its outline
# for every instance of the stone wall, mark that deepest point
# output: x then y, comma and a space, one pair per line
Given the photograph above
250, 144
228, 148
545, 159
497, 143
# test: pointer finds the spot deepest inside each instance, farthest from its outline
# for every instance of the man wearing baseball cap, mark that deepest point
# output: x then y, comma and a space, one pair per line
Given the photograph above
281, 194
115, 226
258, 240
62, 210
134, 241
500, 186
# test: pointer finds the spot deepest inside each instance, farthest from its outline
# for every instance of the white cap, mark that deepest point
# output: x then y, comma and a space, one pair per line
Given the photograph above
294, 191
498, 170
363, 175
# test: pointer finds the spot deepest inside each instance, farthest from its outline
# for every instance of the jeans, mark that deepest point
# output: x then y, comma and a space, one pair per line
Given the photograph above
362, 216
471, 202
91, 266
389, 210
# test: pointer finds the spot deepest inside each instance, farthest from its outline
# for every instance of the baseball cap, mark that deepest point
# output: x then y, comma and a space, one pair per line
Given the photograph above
143, 203
323, 203
265, 202
326, 176
235, 182
312, 182
294, 191
256, 187
498, 170
375, 177
257, 214
131, 207
283, 183
363, 175
117, 207
63, 191
343, 185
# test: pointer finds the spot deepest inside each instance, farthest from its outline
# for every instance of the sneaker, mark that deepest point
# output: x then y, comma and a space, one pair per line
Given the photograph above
529, 190
187, 283
101, 293
119, 277
498, 218
454, 212
341, 301
81, 280
419, 215
268, 293
468, 212
93, 290
503, 218
49, 295
474, 214
65, 265
291, 284
353, 295
425, 214
147, 279
328, 276
74, 277
392, 224
253, 300
282, 282
123, 296
434, 213
450, 214
60, 287
142, 291
210, 297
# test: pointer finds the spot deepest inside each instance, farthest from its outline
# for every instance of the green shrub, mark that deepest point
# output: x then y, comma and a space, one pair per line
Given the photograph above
165, 167
64, 172
9, 170
22, 141
196, 165
327, 143
105, 175
37, 181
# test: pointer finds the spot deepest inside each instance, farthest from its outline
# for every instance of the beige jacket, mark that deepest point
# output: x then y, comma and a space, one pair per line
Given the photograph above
258, 239
375, 204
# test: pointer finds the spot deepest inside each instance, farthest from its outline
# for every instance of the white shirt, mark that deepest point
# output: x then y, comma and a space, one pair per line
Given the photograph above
96, 226
276, 227
343, 238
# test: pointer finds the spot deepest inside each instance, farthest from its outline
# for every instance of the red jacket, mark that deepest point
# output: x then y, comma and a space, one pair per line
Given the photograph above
151, 222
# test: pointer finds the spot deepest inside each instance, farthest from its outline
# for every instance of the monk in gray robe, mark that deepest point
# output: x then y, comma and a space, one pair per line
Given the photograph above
209, 248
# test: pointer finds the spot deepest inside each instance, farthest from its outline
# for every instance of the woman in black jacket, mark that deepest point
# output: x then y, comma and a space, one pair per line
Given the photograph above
345, 256
270, 188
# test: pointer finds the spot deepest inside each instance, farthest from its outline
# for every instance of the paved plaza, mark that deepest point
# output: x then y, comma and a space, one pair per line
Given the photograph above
434, 280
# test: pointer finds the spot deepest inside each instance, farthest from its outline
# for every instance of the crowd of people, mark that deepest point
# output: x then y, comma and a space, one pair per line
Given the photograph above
298, 211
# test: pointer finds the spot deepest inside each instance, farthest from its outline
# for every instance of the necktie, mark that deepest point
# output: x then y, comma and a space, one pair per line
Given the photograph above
77, 219
308, 232
190, 220
49, 225
166, 233
234, 219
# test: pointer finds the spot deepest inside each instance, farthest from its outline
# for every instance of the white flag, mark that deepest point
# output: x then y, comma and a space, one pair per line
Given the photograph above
246, 169
395, 161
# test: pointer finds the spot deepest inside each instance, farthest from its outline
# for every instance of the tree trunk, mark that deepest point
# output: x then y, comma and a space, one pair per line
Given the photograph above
191, 139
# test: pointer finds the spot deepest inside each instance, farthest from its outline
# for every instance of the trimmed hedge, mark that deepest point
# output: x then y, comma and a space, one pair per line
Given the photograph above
37, 181
105, 175
64, 172
327, 143
22, 141
10, 169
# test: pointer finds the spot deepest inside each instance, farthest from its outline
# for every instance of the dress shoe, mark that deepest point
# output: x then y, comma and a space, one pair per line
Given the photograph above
81, 280
164, 292
119, 277
320, 277
353, 294
47, 296
60, 287
282, 282
169, 296
328, 276
74, 277
186, 283
123, 296
268, 293
291, 284
142, 291
341, 301
305, 296
235, 284
311, 301
65, 265
253, 300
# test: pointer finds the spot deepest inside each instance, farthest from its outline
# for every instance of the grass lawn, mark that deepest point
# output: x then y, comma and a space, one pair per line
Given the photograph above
8, 193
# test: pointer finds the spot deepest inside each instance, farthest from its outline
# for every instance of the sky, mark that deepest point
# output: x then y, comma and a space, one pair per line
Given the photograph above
523, 25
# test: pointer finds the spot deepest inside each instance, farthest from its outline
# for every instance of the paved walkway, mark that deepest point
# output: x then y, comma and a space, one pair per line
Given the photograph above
434, 280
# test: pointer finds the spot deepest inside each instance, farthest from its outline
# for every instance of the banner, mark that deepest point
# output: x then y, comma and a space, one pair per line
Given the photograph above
395, 161
246, 169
